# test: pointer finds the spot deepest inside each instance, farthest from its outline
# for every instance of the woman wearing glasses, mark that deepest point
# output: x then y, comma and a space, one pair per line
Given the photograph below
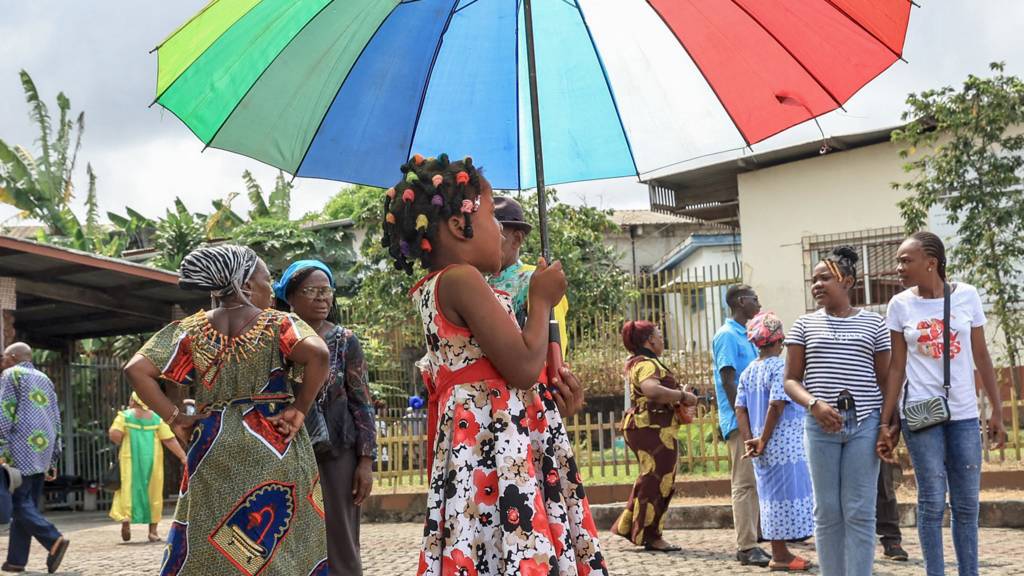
345, 453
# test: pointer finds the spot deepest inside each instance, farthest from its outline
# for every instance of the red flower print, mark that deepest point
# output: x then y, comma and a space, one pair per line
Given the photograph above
422, 569
552, 477
540, 519
537, 420
466, 427
486, 487
458, 564
532, 567
583, 570
499, 395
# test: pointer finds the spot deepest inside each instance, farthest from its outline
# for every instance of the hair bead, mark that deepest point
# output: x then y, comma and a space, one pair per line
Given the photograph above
462, 178
391, 193
437, 180
468, 207
425, 245
403, 247
411, 177
408, 195
437, 200
389, 218
417, 159
422, 222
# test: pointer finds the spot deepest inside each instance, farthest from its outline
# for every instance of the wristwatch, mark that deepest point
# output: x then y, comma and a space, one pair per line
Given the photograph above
811, 403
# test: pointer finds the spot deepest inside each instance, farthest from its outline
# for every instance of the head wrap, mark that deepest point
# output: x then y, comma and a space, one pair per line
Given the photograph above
220, 270
765, 329
138, 401
281, 286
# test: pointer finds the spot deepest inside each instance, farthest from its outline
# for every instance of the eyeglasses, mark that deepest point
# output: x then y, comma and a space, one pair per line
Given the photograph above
313, 292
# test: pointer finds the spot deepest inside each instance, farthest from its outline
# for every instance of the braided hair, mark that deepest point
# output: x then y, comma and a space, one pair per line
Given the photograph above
842, 263
933, 248
431, 191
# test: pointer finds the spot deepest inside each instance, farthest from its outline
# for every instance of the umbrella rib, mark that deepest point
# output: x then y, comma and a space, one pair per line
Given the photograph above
699, 68
864, 28
791, 55
464, 6
182, 73
608, 84
264, 71
430, 72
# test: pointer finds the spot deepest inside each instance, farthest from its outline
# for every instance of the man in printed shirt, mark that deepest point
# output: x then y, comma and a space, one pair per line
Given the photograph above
29, 441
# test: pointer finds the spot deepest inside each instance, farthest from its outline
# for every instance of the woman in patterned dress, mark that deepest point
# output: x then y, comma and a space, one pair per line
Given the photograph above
487, 512
771, 426
250, 500
650, 429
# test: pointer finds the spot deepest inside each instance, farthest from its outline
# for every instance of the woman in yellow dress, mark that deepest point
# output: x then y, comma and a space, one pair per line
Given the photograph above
142, 436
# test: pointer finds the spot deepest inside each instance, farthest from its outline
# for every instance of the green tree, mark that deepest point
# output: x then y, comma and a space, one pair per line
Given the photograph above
277, 205
178, 233
965, 152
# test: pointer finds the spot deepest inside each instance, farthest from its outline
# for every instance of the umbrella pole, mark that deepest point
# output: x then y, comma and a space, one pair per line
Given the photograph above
538, 153
554, 354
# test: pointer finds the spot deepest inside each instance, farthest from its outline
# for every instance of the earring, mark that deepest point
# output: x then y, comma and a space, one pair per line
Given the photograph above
929, 269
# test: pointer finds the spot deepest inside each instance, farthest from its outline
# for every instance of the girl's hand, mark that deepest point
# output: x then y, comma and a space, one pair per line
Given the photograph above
548, 282
885, 445
288, 422
567, 393
755, 447
362, 482
996, 433
183, 425
827, 417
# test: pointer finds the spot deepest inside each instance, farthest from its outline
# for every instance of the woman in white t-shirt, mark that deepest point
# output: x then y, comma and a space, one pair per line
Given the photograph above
948, 453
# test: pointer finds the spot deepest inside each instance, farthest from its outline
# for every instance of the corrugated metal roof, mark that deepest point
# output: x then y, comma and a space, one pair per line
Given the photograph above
647, 217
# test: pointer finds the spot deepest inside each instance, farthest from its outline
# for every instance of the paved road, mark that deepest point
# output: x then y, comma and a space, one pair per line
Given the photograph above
392, 549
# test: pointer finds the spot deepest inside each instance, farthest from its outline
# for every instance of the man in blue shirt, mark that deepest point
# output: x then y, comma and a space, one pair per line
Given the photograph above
733, 353
30, 442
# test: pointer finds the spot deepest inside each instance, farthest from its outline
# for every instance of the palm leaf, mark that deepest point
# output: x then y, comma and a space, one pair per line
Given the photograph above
40, 114
281, 198
259, 207
92, 214
15, 169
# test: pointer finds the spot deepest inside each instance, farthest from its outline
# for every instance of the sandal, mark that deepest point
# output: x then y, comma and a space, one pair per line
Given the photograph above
797, 564
126, 532
669, 548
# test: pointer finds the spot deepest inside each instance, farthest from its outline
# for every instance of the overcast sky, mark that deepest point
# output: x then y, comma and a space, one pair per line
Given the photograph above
97, 52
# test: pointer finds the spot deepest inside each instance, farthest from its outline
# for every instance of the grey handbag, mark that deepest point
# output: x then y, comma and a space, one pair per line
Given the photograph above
935, 410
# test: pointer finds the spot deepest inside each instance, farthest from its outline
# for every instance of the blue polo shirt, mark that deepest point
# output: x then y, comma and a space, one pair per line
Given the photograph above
731, 348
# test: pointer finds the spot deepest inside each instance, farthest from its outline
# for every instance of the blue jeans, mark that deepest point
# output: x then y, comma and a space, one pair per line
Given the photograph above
28, 522
844, 471
948, 454
5, 497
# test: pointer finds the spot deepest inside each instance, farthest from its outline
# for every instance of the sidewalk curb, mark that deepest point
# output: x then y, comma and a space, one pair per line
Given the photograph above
992, 514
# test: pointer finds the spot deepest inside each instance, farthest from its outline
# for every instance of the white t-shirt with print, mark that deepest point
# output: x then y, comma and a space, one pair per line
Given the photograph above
920, 321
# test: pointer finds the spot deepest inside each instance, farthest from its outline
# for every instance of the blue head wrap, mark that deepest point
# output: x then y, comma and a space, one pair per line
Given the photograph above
281, 286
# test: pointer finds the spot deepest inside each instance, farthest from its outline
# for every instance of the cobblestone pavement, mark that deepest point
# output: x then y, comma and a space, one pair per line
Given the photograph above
392, 549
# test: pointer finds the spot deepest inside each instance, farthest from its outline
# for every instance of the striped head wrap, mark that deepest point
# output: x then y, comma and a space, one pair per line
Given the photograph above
765, 329
220, 270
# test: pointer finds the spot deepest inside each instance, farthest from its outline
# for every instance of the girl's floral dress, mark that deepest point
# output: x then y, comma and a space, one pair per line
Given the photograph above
495, 505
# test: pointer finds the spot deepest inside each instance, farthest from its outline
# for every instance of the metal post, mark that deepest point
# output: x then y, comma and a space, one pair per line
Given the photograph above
538, 153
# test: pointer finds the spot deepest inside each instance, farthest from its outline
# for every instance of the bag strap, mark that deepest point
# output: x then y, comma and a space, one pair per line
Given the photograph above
946, 297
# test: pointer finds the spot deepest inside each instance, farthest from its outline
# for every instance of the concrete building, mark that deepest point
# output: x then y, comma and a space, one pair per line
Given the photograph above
794, 204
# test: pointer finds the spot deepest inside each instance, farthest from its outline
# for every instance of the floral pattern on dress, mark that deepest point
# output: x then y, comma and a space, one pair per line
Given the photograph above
505, 496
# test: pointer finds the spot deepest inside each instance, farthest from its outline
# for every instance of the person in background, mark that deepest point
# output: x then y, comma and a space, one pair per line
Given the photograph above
650, 427
945, 455
887, 515
732, 354
346, 460
30, 443
837, 358
250, 498
514, 280
772, 429
142, 437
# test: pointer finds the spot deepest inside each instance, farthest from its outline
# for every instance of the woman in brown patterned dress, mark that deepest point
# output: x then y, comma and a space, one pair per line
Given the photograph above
650, 428
250, 500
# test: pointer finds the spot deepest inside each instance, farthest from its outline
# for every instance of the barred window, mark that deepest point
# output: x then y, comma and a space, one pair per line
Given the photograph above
877, 280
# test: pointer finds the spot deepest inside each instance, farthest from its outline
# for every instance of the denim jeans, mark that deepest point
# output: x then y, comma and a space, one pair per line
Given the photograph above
28, 522
948, 454
844, 471
5, 497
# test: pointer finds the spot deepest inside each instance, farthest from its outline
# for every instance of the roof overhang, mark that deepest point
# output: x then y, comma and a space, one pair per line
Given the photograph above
65, 295
710, 192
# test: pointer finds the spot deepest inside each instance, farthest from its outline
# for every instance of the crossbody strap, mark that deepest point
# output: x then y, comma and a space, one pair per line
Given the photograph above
946, 297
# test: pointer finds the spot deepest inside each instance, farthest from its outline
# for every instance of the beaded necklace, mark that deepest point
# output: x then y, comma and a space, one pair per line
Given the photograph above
211, 349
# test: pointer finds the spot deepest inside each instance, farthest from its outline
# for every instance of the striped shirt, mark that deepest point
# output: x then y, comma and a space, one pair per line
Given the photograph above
839, 354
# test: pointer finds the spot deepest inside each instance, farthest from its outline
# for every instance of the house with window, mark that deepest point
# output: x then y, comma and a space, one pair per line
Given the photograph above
793, 205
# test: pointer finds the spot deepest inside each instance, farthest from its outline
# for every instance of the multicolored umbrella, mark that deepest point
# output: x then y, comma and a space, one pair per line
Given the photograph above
348, 89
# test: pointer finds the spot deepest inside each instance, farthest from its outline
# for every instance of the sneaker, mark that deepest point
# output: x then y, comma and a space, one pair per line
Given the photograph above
753, 557
893, 551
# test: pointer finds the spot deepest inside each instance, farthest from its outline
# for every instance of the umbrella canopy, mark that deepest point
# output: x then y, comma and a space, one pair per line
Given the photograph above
348, 89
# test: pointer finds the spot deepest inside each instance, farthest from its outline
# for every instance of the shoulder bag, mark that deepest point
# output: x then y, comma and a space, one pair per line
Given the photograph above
935, 410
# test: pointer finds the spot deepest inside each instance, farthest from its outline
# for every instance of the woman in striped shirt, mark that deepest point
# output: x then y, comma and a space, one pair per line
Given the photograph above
836, 359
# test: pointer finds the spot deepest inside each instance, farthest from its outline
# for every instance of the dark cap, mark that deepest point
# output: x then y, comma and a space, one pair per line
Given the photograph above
510, 213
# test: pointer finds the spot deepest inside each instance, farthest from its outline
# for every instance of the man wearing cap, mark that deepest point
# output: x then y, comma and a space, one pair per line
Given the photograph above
29, 442
514, 279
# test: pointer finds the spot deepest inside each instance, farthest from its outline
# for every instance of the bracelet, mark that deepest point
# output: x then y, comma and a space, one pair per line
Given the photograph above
173, 416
